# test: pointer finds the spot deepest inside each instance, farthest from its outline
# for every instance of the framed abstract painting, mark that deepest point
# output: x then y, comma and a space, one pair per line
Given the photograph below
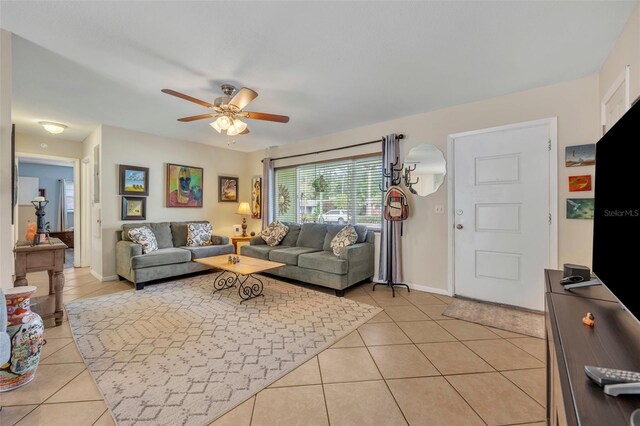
256, 197
184, 186
228, 189
134, 208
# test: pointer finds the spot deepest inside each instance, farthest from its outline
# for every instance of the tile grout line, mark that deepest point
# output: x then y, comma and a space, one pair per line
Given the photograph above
324, 396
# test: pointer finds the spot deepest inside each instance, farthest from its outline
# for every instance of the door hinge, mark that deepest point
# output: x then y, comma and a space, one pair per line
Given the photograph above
549, 145
604, 129
550, 219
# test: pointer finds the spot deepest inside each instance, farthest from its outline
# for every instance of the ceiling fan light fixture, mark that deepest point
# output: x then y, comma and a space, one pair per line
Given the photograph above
53, 128
215, 126
224, 122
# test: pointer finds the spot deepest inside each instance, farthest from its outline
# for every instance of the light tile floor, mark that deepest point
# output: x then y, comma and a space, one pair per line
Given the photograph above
408, 365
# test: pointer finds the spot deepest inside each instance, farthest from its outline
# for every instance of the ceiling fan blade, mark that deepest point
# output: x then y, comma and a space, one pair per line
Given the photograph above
187, 98
267, 117
196, 117
243, 98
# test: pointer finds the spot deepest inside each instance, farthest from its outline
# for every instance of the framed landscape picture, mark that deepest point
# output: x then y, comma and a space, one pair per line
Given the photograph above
580, 183
256, 197
580, 208
134, 208
227, 189
134, 180
580, 155
184, 186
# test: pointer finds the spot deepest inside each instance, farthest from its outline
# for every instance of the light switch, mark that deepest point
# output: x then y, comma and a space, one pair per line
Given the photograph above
439, 209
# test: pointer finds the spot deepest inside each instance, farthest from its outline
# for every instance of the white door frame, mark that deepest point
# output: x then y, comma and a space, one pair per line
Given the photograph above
77, 240
622, 80
85, 213
553, 189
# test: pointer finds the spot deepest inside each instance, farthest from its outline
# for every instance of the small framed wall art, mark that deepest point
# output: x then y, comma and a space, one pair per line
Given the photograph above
228, 189
134, 180
580, 155
580, 183
580, 208
134, 208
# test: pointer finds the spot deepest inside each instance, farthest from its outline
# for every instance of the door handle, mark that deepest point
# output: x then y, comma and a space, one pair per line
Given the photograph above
459, 226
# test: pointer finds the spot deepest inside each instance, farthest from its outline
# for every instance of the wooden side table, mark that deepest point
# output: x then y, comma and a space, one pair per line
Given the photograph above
43, 257
236, 239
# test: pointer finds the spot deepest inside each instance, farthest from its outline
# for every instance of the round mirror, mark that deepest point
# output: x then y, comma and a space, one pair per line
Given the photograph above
424, 169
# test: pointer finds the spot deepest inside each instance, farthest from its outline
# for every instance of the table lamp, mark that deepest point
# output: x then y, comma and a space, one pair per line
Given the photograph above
39, 203
244, 210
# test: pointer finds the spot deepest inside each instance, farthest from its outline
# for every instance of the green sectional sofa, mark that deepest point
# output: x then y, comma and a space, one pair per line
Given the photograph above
306, 251
172, 258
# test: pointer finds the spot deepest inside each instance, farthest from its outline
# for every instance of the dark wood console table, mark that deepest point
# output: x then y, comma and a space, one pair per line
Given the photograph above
613, 342
43, 257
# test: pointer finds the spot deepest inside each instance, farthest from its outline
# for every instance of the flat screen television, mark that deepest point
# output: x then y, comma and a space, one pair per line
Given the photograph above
616, 227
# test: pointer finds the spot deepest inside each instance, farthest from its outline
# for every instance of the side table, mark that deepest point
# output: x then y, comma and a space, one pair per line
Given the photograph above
44, 257
236, 239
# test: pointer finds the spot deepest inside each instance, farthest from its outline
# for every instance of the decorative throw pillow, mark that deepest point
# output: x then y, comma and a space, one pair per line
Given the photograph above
274, 233
145, 237
346, 237
199, 234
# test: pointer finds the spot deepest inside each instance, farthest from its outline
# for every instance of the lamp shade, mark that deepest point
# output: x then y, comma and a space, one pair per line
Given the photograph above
244, 209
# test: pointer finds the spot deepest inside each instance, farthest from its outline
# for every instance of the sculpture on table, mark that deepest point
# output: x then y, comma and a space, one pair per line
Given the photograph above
40, 203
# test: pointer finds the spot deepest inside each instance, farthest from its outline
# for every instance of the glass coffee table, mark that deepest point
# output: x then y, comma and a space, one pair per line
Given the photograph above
242, 274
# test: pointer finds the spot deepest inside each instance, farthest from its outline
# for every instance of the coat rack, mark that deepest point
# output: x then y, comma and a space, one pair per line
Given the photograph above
407, 178
394, 173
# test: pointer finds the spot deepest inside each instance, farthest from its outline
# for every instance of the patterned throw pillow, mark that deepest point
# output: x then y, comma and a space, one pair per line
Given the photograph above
199, 234
274, 233
346, 237
145, 237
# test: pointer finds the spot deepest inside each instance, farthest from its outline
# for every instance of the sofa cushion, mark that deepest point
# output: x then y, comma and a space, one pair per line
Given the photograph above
144, 236
292, 236
160, 257
259, 252
289, 255
208, 251
332, 231
199, 234
161, 230
323, 261
312, 235
346, 237
179, 232
274, 233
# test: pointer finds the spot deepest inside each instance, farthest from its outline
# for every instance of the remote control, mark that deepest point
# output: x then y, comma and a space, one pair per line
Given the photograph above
610, 376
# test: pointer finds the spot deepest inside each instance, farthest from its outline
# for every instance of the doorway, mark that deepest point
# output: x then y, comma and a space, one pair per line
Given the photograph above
503, 204
57, 180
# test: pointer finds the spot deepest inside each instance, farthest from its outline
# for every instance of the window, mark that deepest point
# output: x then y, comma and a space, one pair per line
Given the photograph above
336, 192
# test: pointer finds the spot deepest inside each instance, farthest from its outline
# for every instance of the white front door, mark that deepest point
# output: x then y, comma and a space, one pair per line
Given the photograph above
502, 214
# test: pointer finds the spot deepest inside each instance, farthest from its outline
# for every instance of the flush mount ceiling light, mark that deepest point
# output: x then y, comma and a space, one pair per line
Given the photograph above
51, 127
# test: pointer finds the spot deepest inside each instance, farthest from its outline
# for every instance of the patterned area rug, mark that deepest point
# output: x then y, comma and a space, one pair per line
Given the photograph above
497, 316
174, 354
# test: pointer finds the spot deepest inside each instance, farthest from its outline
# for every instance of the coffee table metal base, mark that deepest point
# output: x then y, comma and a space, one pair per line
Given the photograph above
249, 286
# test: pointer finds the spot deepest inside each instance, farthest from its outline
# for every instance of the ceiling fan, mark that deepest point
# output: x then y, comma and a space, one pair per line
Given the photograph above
229, 110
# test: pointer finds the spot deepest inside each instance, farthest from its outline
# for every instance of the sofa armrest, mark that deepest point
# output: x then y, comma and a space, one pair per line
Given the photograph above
219, 240
257, 241
361, 252
125, 250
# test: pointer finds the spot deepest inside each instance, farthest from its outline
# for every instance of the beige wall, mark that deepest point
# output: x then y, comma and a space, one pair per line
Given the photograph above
120, 146
425, 243
56, 146
626, 51
6, 163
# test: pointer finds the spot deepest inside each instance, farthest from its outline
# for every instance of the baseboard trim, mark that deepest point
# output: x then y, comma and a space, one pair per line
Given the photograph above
421, 287
101, 278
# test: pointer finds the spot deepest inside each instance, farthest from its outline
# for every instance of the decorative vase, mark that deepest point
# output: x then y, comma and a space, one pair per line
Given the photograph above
26, 332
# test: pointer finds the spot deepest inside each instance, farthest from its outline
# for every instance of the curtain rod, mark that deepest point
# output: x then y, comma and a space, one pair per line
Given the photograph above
400, 136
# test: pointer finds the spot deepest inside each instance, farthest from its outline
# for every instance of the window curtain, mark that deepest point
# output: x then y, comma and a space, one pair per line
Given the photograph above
390, 261
62, 207
268, 178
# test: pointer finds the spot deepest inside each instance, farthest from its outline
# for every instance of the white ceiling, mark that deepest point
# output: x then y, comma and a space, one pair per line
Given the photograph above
330, 66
